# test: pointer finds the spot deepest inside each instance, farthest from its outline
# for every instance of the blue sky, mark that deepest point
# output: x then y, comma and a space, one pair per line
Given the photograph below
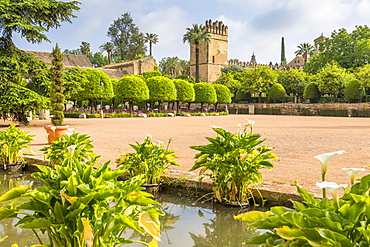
254, 25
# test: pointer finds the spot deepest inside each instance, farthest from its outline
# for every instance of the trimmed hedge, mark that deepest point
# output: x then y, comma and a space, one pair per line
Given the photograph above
333, 113
267, 111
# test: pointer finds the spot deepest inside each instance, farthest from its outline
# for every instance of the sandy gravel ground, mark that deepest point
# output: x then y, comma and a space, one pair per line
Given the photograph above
296, 140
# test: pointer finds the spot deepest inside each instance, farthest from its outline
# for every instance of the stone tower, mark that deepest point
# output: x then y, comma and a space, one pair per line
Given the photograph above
213, 55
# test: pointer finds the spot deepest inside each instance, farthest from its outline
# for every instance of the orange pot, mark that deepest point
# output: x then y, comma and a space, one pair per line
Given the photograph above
58, 132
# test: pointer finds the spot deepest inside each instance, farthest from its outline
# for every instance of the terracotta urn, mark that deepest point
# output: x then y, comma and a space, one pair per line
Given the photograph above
55, 131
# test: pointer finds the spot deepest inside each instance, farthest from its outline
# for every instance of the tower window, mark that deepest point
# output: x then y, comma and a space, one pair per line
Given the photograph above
213, 59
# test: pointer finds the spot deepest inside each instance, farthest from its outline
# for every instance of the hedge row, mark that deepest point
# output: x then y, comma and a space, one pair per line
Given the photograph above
124, 114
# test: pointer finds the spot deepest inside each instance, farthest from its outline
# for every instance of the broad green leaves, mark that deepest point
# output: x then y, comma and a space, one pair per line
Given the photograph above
234, 162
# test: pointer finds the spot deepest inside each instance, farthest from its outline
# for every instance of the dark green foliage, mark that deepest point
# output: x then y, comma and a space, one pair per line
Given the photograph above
41, 83
57, 89
312, 93
126, 38
360, 113
31, 19
267, 111
16, 64
242, 96
161, 89
233, 67
205, 93
333, 113
17, 101
184, 91
148, 74
354, 91
276, 93
132, 88
282, 57
98, 59
223, 94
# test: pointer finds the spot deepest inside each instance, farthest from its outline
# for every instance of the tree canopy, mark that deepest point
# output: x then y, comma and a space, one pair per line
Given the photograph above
349, 50
33, 18
126, 38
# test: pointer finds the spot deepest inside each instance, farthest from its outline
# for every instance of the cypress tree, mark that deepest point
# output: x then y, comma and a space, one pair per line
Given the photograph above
283, 59
56, 95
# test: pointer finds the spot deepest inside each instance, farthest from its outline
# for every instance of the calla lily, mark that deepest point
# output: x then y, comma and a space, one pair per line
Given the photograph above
68, 133
324, 159
149, 136
160, 143
250, 123
215, 127
332, 187
53, 128
352, 173
47, 136
71, 150
239, 129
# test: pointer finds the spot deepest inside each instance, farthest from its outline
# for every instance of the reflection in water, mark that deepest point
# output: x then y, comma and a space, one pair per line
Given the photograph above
183, 225
200, 225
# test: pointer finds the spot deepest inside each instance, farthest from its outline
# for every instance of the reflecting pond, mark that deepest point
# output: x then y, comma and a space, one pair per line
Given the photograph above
185, 223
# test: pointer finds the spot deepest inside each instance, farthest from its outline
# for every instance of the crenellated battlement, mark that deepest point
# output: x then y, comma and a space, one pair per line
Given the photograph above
217, 27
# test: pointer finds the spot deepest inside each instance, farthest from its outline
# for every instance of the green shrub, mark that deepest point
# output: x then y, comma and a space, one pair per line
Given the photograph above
149, 74
289, 99
361, 113
241, 96
205, 93
184, 91
132, 88
72, 115
354, 91
161, 89
333, 113
267, 111
276, 93
312, 93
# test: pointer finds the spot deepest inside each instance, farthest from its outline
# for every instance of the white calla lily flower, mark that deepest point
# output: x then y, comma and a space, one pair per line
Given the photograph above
324, 159
250, 124
160, 143
215, 127
53, 128
332, 187
352, 173
149, 136
71, 150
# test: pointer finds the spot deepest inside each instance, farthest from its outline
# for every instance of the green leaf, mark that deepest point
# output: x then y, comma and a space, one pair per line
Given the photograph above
261, 239
335, 238
310, 235
15, 193
7, 211
40, 223
253, 216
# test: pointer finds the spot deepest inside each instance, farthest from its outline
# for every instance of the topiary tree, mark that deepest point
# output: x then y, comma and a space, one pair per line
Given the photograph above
311, 93
223, 94
204, 93
242, 96
131, 88
148, 74
161, 89
184, 92
97, 86
354, 91
276, 93
57, 89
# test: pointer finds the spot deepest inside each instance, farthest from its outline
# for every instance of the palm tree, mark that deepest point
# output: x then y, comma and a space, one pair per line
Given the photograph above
85, 48
305, 50
108, 47
152, 38
194, 36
